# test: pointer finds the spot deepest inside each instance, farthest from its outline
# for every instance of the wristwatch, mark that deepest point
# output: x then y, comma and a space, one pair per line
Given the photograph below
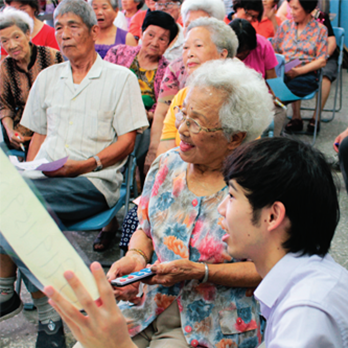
99, 164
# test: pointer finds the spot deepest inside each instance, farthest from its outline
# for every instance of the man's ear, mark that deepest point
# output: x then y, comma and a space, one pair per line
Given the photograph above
236, 140
277, 216
95, 32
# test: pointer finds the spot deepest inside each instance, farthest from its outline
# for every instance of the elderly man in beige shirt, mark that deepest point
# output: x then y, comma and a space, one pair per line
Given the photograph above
89, 110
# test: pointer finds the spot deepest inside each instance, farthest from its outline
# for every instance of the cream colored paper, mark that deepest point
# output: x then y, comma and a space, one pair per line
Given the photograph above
35, 237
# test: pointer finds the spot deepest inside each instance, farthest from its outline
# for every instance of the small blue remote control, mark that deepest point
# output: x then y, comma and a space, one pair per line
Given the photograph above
132, 278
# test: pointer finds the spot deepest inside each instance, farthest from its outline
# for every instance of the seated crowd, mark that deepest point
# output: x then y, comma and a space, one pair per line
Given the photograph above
222, 212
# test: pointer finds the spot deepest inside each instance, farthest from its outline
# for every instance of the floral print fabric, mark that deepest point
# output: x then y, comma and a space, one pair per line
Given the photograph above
184, 226
310, 45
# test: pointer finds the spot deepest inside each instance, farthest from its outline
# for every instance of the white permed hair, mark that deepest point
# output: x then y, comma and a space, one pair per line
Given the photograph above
10, 16
214, 8
248, 106
222, 34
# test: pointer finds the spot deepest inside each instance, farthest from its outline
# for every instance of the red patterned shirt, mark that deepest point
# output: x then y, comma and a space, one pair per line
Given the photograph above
309, 46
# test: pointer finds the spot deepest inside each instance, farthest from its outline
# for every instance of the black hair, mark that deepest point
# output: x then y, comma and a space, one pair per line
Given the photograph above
140, 4
246, 34
255, 5
308, 5
32, 3
163, 20
294, 173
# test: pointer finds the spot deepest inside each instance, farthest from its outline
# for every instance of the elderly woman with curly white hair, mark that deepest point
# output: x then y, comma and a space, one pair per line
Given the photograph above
199, 296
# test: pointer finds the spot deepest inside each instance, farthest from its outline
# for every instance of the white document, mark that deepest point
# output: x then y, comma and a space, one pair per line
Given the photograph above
35, 237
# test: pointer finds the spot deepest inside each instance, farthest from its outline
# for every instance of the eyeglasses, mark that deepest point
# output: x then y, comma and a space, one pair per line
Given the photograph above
192, 125
253, 17
167, 5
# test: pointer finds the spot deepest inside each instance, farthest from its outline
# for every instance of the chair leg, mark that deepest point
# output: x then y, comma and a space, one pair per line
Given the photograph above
27, 306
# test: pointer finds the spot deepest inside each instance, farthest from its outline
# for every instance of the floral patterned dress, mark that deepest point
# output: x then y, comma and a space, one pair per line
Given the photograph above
185, 226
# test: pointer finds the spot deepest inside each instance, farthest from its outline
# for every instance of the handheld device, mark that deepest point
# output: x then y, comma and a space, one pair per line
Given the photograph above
133, 277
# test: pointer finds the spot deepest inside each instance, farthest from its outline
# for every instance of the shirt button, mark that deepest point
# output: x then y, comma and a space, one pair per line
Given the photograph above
66, 145
70, 123
194, 343
195, 202
188, 329
239, 320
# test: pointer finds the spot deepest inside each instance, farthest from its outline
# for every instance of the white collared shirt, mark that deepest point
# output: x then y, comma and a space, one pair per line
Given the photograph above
80, 122
305, 302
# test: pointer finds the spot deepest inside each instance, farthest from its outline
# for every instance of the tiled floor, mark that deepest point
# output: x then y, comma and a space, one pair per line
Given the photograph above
20, 331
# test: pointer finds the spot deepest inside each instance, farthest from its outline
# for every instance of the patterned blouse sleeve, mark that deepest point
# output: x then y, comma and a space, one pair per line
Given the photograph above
322, 43
146, 195
6, 107
169, 87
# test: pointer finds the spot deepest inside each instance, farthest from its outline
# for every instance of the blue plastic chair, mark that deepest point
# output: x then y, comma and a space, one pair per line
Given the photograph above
339, 34
283, 93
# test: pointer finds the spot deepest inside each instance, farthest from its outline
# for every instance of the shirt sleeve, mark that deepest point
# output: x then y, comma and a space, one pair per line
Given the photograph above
269, 56
303, 327
170, 86
6, 107
130, 112
169, 130
322, 43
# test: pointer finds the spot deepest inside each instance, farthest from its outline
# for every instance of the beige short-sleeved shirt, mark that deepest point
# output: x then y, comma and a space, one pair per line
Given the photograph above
82, 120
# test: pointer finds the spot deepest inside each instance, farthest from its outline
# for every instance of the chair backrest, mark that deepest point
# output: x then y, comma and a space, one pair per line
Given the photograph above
339, 34
281, 65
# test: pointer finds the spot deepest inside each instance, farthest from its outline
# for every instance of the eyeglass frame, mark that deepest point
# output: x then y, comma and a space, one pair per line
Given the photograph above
253, 17
188, 119
171, 3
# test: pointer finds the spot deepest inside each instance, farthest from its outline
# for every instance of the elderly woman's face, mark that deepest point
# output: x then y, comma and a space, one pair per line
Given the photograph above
155, 40
150, 4
15, 42
297, 11
169, 6
202, 106
23, 7
192, 16
198, 48
129, 5
104, 12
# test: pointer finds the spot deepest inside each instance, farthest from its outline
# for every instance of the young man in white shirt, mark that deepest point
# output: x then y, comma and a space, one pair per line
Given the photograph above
281, 212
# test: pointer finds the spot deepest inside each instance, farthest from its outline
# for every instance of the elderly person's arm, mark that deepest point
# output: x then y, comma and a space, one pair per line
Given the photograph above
14, 137
339, 139
238, 274
104, 325
109, 156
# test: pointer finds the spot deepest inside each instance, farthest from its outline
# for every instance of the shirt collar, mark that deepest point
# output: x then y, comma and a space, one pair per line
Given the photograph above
276, 281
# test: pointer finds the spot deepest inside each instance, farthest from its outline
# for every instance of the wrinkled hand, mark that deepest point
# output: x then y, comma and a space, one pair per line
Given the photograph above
126, 265
339, 139
70, 169
291, 74
16, 140
174, 272
150, 157
104, 326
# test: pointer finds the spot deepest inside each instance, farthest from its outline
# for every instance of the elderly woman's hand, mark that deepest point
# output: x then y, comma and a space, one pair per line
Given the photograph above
104, 326
294, 72
128, 264
176, 271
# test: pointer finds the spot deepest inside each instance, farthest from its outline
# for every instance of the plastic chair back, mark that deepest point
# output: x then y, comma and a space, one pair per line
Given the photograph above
280, 68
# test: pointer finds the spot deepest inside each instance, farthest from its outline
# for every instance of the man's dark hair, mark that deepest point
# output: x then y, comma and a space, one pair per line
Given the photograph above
294, 173
246, 34
32, 3
255, 5
308, 5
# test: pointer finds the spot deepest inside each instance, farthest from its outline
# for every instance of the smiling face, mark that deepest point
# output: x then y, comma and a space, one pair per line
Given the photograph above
198, 49
15, 42
244, 235
73, 36
202, 105
104, 12
155, 40
23, 7
150, 4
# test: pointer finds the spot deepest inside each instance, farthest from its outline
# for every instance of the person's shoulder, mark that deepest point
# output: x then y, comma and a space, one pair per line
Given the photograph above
46, 28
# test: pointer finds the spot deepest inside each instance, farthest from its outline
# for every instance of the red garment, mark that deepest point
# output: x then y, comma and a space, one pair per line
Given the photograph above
136, 23
265, 27
45, 37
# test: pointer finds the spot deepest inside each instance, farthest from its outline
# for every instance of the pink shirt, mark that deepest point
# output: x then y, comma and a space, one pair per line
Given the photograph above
261, 58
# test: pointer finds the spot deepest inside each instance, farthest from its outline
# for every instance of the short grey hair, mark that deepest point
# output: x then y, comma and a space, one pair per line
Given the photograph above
113, 3
222, 34
248, 106
10, 16
79, 8
214, 8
